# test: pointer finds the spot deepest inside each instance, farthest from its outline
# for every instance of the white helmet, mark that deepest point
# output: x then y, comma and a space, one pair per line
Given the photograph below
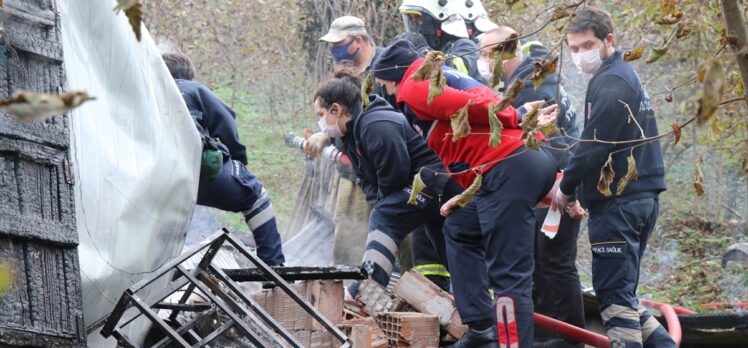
447, 12
475, 13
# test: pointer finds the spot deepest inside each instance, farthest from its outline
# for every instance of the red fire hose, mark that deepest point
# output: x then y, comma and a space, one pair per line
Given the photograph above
673, 325
570, 331
594, 339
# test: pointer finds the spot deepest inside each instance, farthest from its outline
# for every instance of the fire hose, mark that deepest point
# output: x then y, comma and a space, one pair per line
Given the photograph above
328, 152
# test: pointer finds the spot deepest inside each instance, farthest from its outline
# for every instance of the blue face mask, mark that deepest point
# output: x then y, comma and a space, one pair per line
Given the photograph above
340, 53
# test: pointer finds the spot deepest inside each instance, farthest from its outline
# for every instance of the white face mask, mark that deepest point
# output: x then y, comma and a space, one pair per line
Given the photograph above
484, 69
332, 131
588, 61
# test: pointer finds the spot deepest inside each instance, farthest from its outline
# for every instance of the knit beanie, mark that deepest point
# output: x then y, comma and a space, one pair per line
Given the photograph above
394, 61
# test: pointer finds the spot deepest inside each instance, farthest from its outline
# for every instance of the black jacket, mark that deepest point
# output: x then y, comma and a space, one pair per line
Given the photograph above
567, 115
386, 152
607, 119
213, 117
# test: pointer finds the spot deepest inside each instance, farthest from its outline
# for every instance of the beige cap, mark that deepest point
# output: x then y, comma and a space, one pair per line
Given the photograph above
343, 27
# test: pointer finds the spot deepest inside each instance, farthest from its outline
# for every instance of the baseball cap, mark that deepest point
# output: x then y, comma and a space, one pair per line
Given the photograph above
343, 27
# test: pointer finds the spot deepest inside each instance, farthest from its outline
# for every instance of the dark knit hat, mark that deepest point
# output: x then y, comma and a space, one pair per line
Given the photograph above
394, 60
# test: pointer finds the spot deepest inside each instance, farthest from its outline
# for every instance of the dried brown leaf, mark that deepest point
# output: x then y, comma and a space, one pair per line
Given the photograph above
698, 183
670, 18
549, 129
511, 93
684, 29
744, 165
634, 54
498, 70
529, 122
437, 83
543, 69
723, 38
467, 195
433, 62
631, 174
366, 89
134, 11
431, 70
677, 131
560, 12
669, 98
495, 139
31, 106
606, 177
417, 187
711, 94
460, 124
531, 142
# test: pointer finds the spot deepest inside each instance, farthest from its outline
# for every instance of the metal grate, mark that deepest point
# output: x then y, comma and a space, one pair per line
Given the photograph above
241, 314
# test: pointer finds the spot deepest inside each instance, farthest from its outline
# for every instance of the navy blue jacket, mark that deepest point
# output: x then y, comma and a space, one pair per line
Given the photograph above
386, 152
469, 52
567, 115
213, 117
607, 119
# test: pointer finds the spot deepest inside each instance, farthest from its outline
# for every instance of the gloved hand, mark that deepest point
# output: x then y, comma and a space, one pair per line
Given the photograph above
560, 201
315, 143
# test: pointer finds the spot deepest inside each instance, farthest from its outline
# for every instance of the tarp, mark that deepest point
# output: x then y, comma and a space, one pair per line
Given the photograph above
136, 154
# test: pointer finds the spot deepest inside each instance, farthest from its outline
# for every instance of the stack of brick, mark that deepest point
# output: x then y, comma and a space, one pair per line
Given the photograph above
409, 329
326, 296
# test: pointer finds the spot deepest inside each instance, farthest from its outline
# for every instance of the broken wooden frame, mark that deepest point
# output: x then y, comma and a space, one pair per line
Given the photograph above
224, 294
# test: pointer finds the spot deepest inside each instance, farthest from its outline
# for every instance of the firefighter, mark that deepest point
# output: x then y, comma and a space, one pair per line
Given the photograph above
476, 19
620, 224
557, 289
386, 154
235, 189
442, 26
490, 240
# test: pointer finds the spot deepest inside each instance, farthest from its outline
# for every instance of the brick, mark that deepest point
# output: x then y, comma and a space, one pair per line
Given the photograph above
409, 329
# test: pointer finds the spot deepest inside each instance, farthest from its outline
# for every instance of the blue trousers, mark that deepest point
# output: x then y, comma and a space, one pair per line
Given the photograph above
237, 190
490, 246
391, 220
619, 230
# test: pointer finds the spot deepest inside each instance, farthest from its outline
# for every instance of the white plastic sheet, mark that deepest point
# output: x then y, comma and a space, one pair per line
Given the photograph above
136, 155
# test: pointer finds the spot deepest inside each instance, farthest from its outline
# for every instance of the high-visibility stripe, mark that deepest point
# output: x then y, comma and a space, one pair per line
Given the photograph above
379, 259
625, 334
262, 218
432, 269
383, 239
460, 65
618, 311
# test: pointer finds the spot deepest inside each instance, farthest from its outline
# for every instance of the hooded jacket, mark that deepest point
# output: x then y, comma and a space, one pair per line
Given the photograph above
472, 151
386, 152
607, 119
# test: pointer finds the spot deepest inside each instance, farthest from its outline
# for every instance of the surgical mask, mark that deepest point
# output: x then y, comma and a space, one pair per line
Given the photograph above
332, 131
587, 61
484, 68
341, 53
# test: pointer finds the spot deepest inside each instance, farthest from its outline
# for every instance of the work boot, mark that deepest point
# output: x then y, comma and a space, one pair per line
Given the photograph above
487, 338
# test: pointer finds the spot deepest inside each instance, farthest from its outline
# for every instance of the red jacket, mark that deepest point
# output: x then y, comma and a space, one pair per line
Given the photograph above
472, 150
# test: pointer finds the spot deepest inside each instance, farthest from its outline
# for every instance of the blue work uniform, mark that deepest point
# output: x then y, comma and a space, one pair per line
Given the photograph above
620, 225
235, 189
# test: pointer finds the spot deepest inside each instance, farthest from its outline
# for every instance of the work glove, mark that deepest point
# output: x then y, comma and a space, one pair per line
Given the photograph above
315, 143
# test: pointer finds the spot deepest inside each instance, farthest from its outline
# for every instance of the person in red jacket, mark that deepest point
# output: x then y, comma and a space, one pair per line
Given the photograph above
490, 240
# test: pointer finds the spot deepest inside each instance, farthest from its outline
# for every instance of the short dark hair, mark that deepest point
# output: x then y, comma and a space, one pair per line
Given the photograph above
592, 18
344, 88
180, 66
